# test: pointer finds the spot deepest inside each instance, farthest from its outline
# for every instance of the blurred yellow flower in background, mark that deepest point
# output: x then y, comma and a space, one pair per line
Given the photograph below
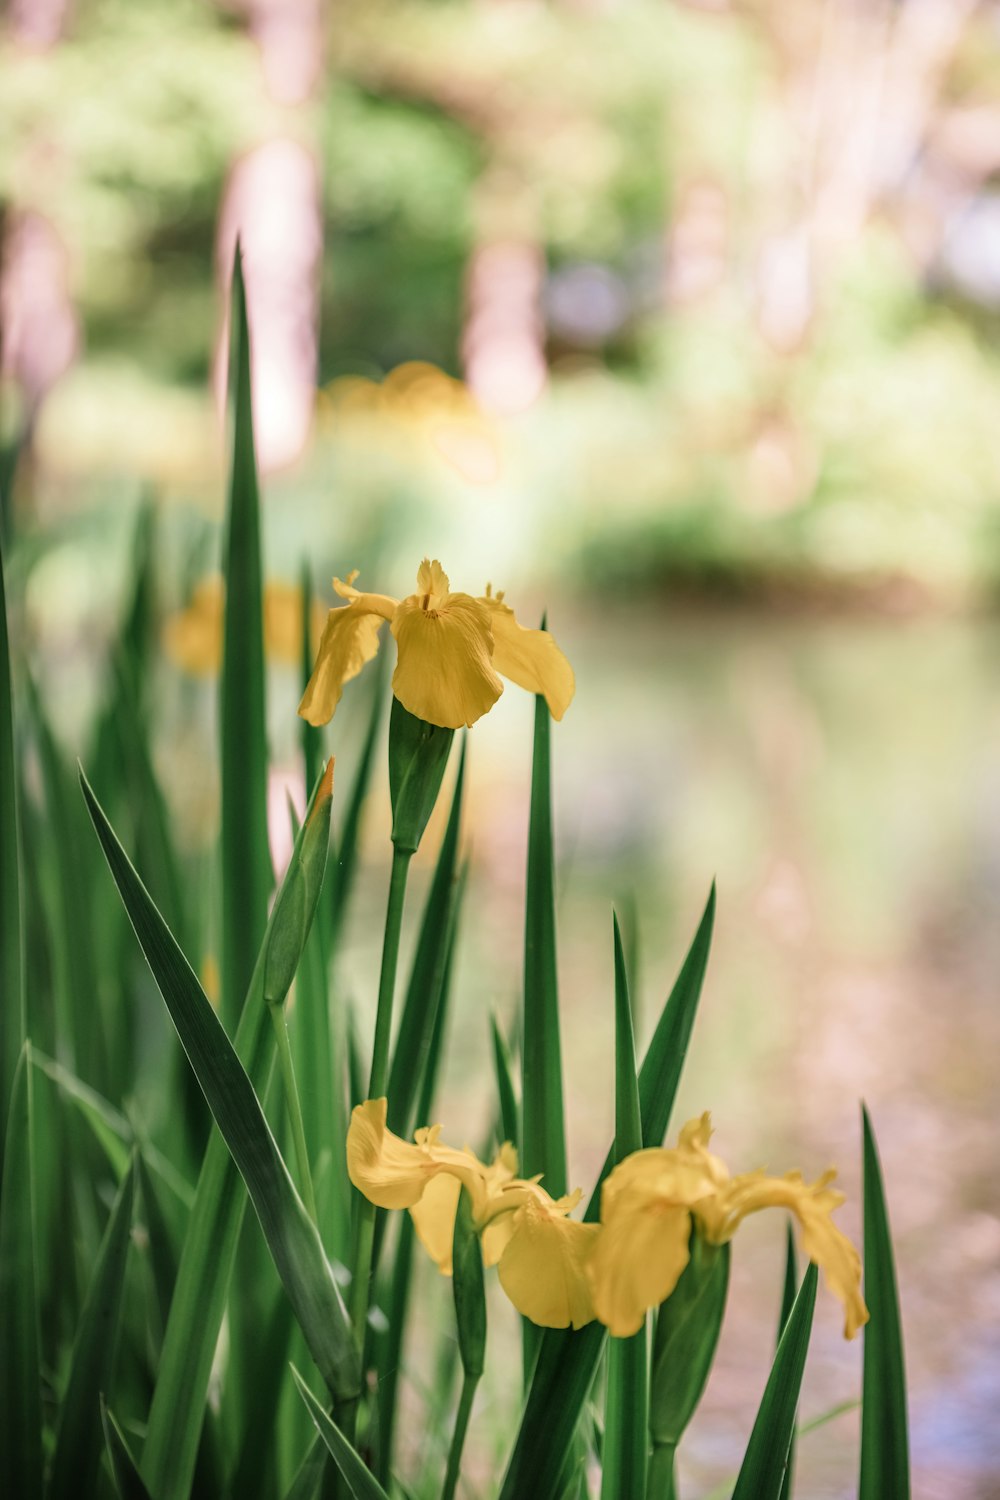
192, 637
541, 1253
651, 1200
450, 648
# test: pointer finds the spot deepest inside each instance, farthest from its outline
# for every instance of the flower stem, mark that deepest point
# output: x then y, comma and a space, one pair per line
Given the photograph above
469, 1385
294, 1108
377, 1085
660, 1484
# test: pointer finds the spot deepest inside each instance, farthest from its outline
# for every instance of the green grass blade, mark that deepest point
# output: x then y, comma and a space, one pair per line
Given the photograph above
390, 1357
543, 1138
246, 860
124, 1470
20, 1384
788, 1292
311, 737
567, 1360
423, 993
506, 1095
885, 1461
360, 1481
291, 1236
763, 1470
343, 867
78, 1433
626, 1408
13, 1023
309, 1474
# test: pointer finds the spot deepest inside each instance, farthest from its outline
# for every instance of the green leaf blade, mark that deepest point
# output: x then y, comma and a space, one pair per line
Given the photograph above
20, 1381
885, 1461
762, 1473
245, 853
543, 1137
13, 1027
567, 1360
78, 1434
360, 1481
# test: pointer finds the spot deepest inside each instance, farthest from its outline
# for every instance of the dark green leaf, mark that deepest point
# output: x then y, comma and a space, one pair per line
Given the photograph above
246, 860
763, 1471
78, 1433
360, 1481
505, 1084
885, 1459
20, 1386
344, 865
207, 1258
416, 1024
626, 1408
125, 1471
13, 1027
469, 1291
567, 1360
418, 754
543, 1139
788, 1291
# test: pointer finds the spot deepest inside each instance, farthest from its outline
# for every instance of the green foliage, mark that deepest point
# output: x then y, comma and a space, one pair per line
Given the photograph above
885, 1461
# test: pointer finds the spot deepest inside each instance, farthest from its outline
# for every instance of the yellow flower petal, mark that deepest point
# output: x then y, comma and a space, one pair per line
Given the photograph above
432, 582
434, 1219
192, 637
349, 640
543, 1268
434, 1216
390, 1172
645, 1229
530, 658
444, 674
812, 1204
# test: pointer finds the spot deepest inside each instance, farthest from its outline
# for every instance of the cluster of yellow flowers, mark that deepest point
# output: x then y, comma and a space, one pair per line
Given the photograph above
558, 1271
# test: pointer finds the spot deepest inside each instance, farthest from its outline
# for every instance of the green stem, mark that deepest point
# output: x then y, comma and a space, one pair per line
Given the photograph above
377, 1085
458, 1436
294, 1108
660, 1483
387, 978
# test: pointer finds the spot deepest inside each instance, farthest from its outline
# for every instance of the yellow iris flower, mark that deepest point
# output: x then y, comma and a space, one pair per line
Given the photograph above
540, 1252
648, 1204
192, 637
450, 648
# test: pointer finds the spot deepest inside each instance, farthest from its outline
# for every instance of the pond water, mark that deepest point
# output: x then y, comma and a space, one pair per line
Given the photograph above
840, 779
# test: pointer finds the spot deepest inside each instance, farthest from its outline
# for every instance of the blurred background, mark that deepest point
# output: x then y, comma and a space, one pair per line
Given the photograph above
678, 320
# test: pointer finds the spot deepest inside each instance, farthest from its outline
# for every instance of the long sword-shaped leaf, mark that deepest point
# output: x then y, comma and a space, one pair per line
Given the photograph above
361, 1482
543, 1139
20, 1387
343, 866
885, 1461
78, 1434
788, 1292
246, 861
626, 1409
506, 1097
13, 1027
196, 1311
763, 1471
423, 993
567, 1360
125, 1471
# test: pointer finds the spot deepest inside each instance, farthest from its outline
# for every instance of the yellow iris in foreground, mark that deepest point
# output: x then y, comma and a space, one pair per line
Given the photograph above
450, 648
648, 1204
541, 1253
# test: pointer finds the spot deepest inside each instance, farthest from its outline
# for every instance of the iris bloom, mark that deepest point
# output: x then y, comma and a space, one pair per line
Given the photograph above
541, 1252
450, 648
651, 1199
